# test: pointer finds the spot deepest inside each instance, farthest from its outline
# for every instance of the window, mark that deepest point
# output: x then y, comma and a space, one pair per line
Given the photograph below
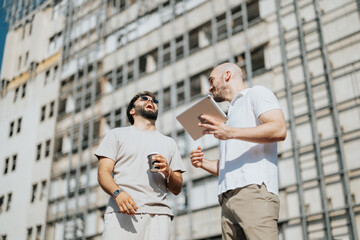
62, 106
14, 158
257, 60
23, 90
205, 35
56, 68
180, 92
181, 142
59, 145
148, 62
195, 86
43, 190
19, 63
179, 46
43, 111
166, 54
19, 125
130, 71
116, 122
51, 113
23, 32
38, 232
236, 15
194, 40
47, 77
16, 93
33, 195
38, 152
8, 205
11, 128
26, 58
29, 233
1, 203
47, 148
221, 27
167, 98
6, 166
30, 29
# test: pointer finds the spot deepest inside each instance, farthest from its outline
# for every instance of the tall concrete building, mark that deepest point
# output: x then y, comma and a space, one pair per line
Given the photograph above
305, 51
28, 101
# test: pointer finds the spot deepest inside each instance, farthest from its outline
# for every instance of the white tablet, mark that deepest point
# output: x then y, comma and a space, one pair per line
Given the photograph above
190, 118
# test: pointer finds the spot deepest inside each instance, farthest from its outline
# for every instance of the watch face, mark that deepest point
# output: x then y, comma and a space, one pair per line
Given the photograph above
116, 192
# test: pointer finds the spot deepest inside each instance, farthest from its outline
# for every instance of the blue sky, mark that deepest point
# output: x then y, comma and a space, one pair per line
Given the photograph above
3, 31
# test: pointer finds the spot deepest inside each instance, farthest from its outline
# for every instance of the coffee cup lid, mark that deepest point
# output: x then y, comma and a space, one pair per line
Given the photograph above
153, 153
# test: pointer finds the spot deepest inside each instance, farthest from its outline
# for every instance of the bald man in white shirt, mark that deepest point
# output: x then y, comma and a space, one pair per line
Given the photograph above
247, 169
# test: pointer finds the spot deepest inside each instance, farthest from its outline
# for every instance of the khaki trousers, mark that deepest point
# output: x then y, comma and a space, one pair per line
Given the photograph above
249, 213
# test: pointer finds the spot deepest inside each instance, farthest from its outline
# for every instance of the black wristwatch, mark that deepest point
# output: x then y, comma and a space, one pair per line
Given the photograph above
116, 193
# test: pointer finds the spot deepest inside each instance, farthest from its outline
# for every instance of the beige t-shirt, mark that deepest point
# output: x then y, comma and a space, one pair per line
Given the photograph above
129, 147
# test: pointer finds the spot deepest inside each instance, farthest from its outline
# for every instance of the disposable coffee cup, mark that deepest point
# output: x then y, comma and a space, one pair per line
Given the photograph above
151, 162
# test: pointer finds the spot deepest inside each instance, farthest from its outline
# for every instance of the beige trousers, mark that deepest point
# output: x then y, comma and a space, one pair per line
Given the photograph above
249, 213
120, 226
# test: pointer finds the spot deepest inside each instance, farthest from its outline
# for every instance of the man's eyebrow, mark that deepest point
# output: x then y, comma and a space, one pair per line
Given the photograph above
211, 78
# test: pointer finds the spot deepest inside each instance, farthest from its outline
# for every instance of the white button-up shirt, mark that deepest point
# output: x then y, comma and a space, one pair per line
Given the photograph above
243, 163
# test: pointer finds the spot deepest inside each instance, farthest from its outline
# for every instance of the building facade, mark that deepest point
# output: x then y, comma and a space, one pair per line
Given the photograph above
305, 51
28, 108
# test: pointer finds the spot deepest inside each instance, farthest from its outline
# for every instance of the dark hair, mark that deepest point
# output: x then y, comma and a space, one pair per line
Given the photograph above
133, 100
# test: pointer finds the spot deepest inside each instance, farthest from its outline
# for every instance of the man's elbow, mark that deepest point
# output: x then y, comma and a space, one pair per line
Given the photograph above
177, 192
282, 134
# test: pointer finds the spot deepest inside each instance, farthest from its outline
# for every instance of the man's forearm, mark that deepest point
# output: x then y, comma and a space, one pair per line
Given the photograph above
174, 182
264, 133
211, 166
107, 182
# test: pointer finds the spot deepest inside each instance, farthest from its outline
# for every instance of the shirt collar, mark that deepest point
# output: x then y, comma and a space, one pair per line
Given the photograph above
239, 95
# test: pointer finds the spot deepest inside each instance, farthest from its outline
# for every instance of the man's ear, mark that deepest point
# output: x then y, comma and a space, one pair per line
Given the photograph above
132, 111
227, 76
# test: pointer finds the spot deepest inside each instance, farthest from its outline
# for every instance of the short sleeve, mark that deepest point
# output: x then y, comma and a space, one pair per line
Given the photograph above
108, 147
263, 100
176, 163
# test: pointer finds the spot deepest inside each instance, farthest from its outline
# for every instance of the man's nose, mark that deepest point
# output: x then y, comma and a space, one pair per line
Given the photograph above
211, 89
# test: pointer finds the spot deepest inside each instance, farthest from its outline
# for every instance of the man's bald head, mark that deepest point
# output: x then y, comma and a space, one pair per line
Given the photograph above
226, 80
232, 67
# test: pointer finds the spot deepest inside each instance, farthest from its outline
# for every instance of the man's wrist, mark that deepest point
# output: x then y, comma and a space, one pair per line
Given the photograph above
168, 177
116, 193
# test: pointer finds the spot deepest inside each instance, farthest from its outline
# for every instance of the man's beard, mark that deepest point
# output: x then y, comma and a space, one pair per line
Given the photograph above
147, 114
218, 98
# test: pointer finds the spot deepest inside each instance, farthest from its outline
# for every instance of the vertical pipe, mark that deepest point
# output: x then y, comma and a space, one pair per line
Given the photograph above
315, 136
189, 183
247, 49
214, 32
229, 30
292, 121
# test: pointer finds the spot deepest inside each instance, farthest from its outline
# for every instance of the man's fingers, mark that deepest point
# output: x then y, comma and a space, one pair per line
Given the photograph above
133, 204
130, 208
196, 154
196, 158
122, 209
207, 126
126, 210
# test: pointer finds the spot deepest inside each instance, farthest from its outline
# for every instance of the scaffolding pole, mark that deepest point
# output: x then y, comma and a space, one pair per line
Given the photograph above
249, 75
316, 142
292, 121
335, 120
